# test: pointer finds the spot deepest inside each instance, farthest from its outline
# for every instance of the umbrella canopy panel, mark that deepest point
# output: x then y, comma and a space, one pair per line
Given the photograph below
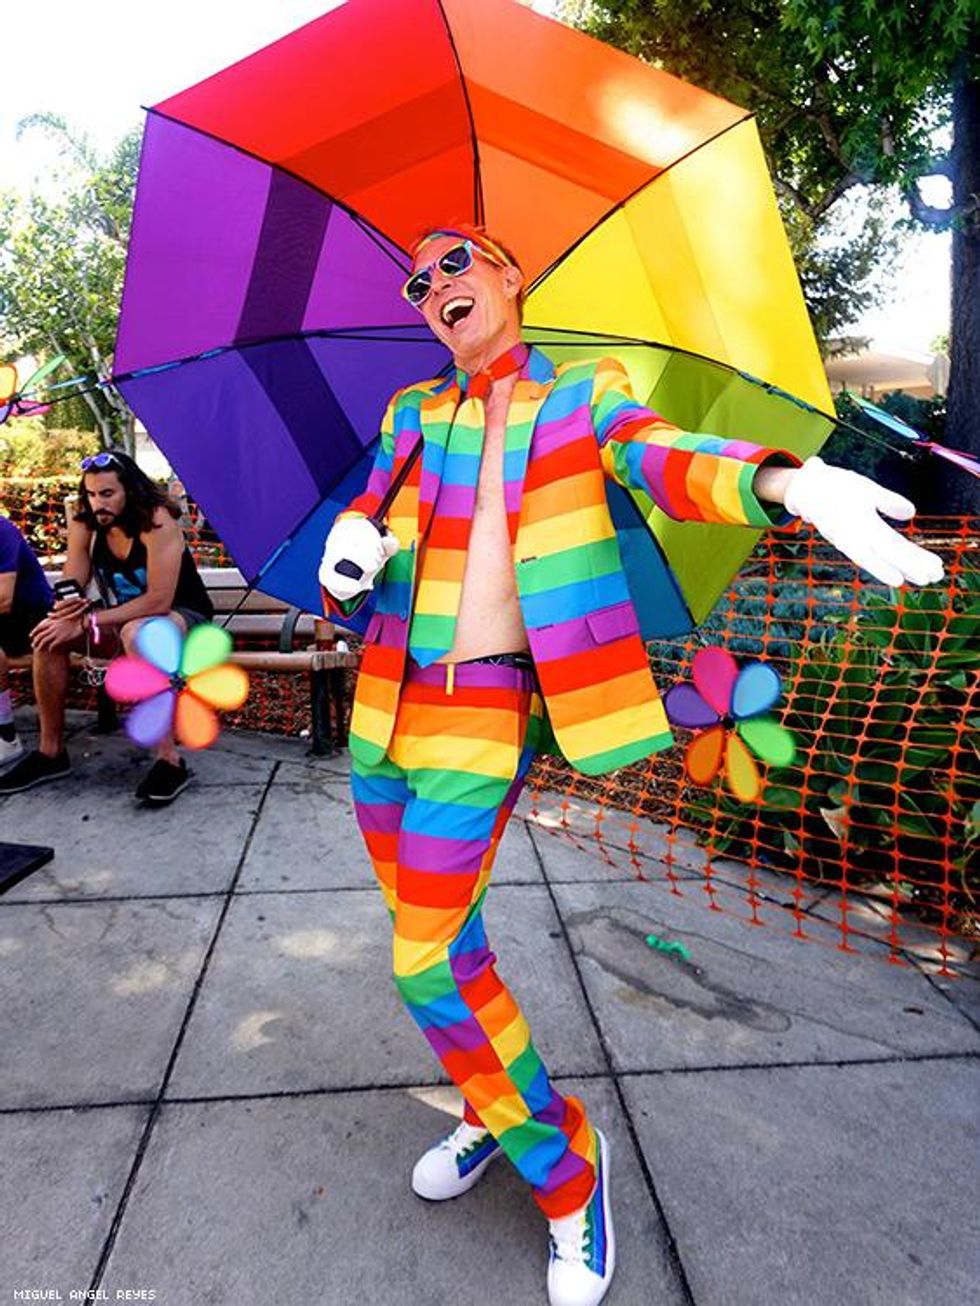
277, 199
294, 299
417, 113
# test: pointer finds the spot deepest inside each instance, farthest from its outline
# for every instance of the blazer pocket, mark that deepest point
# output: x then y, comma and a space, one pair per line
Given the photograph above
615, 622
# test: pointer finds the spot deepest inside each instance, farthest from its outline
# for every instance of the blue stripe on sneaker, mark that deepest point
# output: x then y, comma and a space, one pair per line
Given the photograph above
597, 1261
464, 1164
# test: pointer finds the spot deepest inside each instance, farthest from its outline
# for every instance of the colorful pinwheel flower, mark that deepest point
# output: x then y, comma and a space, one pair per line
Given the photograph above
725, 704
12, 402
176, 682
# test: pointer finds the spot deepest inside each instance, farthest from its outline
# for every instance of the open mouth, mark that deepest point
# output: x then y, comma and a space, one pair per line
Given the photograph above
456, 310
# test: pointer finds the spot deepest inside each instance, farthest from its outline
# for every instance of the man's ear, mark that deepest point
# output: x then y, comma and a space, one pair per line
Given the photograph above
513, 280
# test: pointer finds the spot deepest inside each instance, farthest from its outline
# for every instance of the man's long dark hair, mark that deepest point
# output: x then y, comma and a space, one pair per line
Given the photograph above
143, 497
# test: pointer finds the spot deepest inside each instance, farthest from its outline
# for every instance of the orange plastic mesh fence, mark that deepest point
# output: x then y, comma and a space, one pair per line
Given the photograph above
39, 507
868, 842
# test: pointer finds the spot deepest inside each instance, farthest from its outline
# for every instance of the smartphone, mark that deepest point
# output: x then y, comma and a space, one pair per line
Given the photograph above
67, 589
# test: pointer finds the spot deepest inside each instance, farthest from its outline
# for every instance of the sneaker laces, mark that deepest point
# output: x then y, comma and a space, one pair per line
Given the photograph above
464, 1138
571, 1237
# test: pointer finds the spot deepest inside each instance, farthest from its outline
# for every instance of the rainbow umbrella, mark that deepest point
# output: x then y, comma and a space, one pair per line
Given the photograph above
262, 330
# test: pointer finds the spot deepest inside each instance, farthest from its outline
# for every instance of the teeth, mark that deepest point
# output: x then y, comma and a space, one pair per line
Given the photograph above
455, 308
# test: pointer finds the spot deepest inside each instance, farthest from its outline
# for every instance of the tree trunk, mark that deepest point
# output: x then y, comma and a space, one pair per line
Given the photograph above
952, 490
128, 427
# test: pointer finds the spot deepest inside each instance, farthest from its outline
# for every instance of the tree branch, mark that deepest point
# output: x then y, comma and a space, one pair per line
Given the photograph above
930, 216
840, 187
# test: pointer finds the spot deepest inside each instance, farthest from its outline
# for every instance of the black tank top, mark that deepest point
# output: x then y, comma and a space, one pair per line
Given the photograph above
125, 579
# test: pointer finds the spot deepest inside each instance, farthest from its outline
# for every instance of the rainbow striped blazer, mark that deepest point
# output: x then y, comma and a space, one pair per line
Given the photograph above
567, 430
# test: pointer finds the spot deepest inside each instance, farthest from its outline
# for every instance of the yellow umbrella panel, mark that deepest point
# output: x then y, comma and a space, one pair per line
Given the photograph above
691, 284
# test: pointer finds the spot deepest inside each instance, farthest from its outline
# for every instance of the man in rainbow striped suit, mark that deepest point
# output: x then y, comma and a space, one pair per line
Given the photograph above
503, 614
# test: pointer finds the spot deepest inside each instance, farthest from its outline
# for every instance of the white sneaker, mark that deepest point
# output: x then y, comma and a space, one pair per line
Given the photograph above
453, 1166
583, 1246
10, 750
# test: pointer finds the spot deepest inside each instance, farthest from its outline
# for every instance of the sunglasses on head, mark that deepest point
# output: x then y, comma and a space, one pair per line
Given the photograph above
456, 260
100, 460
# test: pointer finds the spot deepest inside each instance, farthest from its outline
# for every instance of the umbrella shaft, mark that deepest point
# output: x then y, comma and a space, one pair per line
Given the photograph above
347, 568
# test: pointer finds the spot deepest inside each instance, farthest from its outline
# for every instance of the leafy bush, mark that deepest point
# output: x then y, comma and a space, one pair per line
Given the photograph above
36, 452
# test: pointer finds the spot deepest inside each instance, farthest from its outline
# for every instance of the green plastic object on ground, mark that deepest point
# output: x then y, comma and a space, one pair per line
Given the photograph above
668, 945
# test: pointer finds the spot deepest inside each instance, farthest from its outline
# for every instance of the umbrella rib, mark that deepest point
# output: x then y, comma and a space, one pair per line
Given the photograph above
477, 175
373, 233
621, 204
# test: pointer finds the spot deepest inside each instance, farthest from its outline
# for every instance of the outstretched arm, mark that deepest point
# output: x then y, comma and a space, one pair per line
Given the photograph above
704, 478
690, 476
847, 509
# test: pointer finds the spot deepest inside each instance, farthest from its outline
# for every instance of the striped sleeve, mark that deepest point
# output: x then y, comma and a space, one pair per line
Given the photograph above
690, 476
366, 504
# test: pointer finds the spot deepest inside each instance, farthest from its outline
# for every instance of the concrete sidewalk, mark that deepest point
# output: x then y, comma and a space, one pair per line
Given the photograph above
210, 1095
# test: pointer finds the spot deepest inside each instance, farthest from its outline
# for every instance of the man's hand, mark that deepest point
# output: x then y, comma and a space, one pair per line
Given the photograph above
844, 507
57, 631
70, 607
356, 540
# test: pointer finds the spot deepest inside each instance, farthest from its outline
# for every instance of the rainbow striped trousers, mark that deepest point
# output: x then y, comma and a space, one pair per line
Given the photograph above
432, 813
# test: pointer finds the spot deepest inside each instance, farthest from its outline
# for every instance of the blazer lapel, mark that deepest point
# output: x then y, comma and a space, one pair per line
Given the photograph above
530, 392
436, 413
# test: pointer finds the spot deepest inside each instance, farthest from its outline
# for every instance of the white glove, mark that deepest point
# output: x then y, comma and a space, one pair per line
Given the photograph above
844, 506
359, 541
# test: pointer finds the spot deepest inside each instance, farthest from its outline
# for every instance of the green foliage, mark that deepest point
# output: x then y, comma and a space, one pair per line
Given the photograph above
876, 786
42, 452
881, 455
61, 265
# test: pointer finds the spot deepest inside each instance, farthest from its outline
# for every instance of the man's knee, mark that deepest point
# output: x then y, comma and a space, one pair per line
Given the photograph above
127, 635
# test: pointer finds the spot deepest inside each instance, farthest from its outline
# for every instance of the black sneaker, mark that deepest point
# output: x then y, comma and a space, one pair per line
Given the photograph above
163, 783
34, 769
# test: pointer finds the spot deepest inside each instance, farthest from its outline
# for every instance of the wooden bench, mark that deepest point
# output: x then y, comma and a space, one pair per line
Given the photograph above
295, 641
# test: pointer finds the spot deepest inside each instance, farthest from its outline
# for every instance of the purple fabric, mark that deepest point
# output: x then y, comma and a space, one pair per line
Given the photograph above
31, 589
379, 818
230, 448
293, 228
357, 280
466, 966
229, 253
462, 1036
570, 1165
199, 209
475, 675
437, 855
561, 640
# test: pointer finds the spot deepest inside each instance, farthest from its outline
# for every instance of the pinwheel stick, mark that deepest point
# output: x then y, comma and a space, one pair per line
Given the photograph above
347, 568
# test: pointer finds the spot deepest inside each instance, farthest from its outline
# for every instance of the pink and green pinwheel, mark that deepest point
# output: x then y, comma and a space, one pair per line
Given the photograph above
176, 683
12, 401
725, 704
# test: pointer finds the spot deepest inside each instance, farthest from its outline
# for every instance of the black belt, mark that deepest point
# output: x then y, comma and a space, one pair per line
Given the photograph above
524, 661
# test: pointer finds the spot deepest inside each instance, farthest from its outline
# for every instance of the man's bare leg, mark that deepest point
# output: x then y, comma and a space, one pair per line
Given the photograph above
10, 745
166, 749
51, 670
